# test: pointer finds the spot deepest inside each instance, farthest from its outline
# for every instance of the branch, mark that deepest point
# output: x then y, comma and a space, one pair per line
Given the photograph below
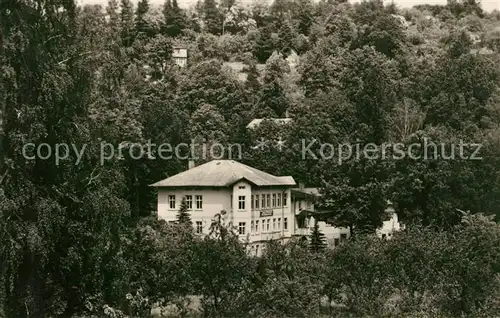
71, 57
92, 177
4, 175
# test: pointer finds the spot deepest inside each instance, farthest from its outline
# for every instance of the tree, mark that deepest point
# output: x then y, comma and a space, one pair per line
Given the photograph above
385, 34
208, 83
49, 210
371, 82
429, 190
141, 25
174, 18
252, 81
461, 8
355, 192
285, 35
272, 95
208, 127
286, 281
317, 239
412, 261
221, 273
264, 45
127, 22
183, 215
304, 16
212, 17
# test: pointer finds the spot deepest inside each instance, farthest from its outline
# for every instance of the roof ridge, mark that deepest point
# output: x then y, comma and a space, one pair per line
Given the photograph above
213, 173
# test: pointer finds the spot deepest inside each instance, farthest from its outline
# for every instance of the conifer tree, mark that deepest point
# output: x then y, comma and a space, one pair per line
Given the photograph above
272, 98
264, 45
174, 17
212, 17
127, 22
252, 81
183, 216
285, 35
318, 241
141, 26
304, 16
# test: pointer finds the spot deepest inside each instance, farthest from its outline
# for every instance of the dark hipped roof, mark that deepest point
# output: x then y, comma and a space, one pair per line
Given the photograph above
223, 173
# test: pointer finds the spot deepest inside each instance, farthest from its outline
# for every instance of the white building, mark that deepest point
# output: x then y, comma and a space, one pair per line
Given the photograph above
179, 55
259, 205
303, 200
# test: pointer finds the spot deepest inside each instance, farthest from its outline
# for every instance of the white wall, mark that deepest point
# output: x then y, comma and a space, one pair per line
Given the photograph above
214, 201
242, 215
228, 199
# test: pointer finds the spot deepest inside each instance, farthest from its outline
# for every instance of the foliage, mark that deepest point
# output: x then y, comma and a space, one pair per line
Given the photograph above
317, 240
76, 236
183, 216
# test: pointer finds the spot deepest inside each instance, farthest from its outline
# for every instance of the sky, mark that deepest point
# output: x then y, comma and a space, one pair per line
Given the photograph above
488, 5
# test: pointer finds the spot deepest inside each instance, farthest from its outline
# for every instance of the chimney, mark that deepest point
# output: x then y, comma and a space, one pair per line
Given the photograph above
191, 164
301, 185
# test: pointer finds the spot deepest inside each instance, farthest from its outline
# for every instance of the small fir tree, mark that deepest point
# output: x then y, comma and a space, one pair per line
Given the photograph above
183, 216
318, 241
252, 81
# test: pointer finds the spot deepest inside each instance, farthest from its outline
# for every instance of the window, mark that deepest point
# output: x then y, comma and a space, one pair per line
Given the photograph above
300, 205
256, 201
263, 225
241, 228
268, 223
251, 227
278, 203
171, 201
251, 202
199, 202
285, 199
274, 200
189, 201
343, 237
268, 200
241, 202
241, 187
279, 223
383, 236
263, 205
257, 226
257, 250
199, 227
336, 242
274, 224
285, 224
231, 201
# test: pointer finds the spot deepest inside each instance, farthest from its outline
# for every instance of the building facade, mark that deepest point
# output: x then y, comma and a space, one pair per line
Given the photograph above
258, 205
